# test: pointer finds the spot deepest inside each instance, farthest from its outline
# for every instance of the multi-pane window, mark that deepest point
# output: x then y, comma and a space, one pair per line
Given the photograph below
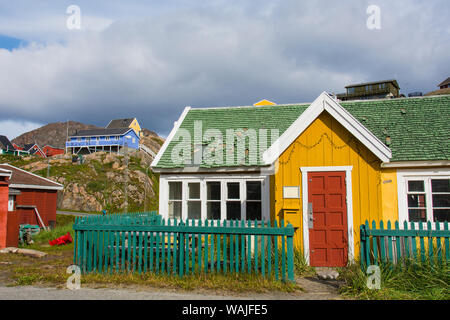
233, 201
213, 200
428, 199
175, 200
194, 204
417, 209
440, 196
253, 200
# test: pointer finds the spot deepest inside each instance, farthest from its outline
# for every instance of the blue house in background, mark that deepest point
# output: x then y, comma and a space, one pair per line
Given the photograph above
110, 139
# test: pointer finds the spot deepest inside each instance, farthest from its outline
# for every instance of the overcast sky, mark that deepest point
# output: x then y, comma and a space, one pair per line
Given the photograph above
150, 60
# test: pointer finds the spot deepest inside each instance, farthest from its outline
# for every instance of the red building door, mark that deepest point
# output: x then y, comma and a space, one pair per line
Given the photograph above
328, 238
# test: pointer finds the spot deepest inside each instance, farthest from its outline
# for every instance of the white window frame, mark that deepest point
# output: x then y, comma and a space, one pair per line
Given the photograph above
174, 200
405, 175
188, 198
349, 198
203, 179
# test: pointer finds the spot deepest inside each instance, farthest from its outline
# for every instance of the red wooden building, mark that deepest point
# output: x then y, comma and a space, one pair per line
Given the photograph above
32, 197
4, 190
50, 151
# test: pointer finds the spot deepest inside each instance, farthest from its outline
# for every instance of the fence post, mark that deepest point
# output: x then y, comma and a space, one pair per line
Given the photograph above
290, 251
181, 251
362, 244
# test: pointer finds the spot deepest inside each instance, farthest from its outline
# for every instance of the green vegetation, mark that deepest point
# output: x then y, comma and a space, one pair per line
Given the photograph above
301, 267
413, 280
51, 271
99, 179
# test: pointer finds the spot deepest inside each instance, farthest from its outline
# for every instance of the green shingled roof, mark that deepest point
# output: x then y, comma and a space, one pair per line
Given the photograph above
418, 127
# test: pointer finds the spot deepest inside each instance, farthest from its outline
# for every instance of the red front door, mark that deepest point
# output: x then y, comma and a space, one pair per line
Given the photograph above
328, 239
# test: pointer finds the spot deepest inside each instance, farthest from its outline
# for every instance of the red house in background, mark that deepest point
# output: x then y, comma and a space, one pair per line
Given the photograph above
4, 192
50, 151
34, 149
32, 197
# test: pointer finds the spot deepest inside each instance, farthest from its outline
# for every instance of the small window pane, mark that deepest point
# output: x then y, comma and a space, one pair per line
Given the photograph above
416, 186
194, 210
441, 215
194, 190
441, 200
417, 215
253, 190
175, 209
416, 200
175, 190
254, 210
440, 185
233, 190
213, 190
213, 210
233, 210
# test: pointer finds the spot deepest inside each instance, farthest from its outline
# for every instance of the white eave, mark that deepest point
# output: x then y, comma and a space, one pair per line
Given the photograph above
325, 103
176, 126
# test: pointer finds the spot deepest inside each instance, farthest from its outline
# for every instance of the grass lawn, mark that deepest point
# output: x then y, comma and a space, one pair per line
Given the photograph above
414, 281
16, 270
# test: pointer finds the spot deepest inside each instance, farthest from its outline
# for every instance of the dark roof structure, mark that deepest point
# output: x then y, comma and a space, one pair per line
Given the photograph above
5, 143
101, 132
393, 81
445, 82
120, 123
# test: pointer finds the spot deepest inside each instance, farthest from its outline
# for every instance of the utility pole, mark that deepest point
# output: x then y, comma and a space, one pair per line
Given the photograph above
145, 190
67, 132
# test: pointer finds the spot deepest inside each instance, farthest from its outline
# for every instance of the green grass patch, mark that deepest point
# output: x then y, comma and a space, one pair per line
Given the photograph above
412, 281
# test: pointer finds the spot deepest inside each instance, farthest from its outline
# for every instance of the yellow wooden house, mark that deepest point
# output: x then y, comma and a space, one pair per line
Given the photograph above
131, 123
325, 167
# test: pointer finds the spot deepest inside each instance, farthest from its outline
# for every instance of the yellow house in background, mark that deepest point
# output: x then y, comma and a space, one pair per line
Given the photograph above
126, 123
264, 102
325, 167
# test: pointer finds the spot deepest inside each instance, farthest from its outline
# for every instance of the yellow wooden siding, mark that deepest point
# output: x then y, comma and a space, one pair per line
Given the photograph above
389, 194
136, 127
327, 143
264, 103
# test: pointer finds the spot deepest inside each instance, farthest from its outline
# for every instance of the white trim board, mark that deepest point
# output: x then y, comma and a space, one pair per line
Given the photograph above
348, 187
176, 126
325, 103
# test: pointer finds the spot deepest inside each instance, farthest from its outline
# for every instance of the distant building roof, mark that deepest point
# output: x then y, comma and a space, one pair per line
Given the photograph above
120, 123
27, 147
445, 82
21, 179
374, 82
101, 132
5, 143
444, 91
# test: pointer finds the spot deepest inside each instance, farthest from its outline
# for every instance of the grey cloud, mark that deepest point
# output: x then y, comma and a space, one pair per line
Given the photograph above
285, 51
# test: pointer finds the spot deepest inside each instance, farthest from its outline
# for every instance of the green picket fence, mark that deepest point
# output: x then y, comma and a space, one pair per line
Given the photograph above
119, 244
429, 243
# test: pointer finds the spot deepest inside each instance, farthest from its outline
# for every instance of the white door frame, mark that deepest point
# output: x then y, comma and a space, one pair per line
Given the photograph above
348, 185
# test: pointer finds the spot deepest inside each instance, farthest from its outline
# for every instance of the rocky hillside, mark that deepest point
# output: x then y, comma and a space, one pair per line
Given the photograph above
53, 134
99, 182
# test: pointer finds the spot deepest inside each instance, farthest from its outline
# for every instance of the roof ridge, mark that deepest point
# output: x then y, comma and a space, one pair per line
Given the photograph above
48, 180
